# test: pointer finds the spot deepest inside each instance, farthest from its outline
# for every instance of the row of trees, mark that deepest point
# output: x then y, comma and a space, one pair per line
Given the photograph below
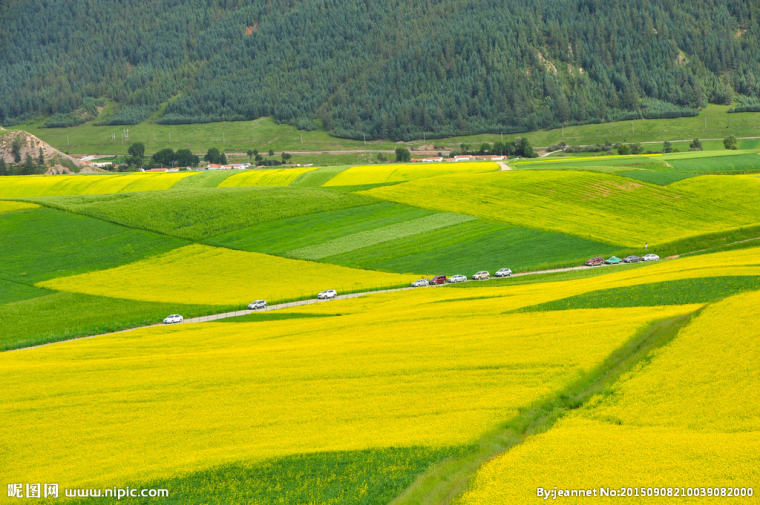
167, 158
729, 142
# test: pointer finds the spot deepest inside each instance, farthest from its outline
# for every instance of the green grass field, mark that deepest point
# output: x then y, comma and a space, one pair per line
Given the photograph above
656, 177
719, 164
279, 237
472, 246
373, 238
11, 291
680, 292
50, 317
207, 179
317, 178
263, 134
201, 213
43, 243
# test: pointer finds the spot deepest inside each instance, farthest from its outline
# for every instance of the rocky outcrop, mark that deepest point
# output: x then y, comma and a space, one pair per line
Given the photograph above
29, 144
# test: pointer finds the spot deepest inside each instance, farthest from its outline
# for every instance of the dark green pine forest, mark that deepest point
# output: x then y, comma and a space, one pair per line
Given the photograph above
393, 69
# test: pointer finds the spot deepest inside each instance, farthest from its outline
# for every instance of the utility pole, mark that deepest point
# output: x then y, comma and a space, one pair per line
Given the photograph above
365, 138
502, 135
67, 141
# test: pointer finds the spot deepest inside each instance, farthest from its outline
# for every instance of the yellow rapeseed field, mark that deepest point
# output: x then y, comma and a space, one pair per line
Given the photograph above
199, 274
153, 182
154, 402
60, 185
14, 206
377, 174
688, 418
600, 207
731, 263
265, 177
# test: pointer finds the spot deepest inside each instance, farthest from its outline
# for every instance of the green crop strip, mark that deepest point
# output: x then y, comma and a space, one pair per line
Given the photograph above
278, 237
369, 477
197, 214
42, 244
472, 246
680, 292
379, 236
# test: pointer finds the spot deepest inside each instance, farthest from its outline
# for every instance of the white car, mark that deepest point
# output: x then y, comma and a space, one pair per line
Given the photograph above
481, 276
504, 272
174, 318
327, 294
650, 257
456, 278
257, 304
420, 283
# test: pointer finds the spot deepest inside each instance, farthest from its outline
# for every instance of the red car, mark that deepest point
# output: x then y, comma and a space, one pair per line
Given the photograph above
595, 262
438, 279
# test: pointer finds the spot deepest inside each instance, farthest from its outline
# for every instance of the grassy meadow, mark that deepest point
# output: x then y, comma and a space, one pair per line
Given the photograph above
713, 122
201, 213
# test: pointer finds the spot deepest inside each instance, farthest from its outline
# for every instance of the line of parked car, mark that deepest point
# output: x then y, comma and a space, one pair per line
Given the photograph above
506, 272
482, 275
614, 260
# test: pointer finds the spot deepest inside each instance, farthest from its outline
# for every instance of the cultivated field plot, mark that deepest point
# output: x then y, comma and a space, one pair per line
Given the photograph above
718, 164
206, 179
283, 235
30, 186
41, 244
8, 206
210, 394
353, 242
199, 274
471, 246
606, 164
317, 178
656, 176
398, 238
264, 177
598, 207
201, 213
689, 416
379, 174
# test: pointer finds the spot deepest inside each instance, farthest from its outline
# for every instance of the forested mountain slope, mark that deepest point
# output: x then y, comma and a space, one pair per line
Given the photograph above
385, 69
